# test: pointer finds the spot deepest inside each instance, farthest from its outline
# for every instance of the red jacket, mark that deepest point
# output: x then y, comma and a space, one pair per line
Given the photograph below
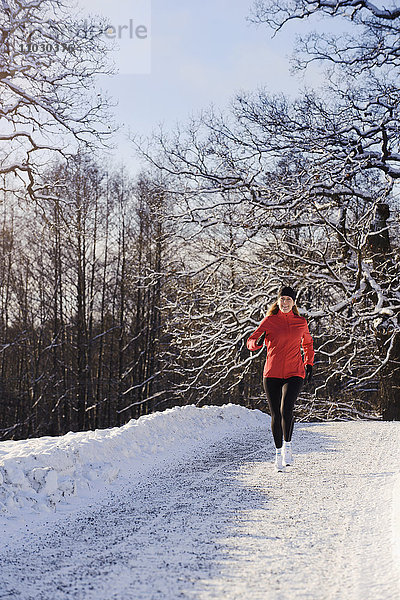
285, 334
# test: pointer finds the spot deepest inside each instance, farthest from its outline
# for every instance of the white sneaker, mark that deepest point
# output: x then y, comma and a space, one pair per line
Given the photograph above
279, 463
287, 456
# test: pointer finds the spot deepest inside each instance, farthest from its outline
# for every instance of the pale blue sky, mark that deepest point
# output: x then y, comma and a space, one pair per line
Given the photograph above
201, 53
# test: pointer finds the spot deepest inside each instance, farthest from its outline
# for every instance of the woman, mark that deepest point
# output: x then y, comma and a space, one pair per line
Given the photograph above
285, 370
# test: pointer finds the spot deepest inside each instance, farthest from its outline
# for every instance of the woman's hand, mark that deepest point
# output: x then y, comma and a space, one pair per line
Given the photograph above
309, 374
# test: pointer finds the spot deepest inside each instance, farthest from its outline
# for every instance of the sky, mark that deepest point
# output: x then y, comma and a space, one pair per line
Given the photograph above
176, 58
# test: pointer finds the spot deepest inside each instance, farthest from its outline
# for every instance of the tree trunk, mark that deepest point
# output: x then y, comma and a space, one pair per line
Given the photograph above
387, 339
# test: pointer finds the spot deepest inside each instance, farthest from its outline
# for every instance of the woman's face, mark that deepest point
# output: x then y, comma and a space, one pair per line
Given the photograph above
285, 303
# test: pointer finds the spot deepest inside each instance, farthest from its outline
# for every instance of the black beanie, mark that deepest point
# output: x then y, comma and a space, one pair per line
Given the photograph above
286, 290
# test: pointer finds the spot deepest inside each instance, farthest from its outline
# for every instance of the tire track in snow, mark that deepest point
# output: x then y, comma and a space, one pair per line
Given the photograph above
225, 525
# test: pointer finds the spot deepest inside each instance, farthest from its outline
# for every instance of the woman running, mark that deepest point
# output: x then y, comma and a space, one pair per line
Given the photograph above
286, 332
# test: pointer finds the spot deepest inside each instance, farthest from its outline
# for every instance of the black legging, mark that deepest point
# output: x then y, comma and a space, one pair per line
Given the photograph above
281, 396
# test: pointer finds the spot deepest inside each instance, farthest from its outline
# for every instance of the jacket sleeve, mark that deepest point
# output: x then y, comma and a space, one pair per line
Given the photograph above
308, 347
255, 336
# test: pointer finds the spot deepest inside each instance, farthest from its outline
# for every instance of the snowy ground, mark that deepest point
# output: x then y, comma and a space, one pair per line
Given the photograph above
202, 515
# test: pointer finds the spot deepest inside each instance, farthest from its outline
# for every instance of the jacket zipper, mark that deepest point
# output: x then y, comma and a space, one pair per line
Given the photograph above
286, 321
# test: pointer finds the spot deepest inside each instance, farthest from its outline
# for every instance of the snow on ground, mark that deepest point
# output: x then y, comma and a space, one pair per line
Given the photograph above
396, 521
210, 519
39, 474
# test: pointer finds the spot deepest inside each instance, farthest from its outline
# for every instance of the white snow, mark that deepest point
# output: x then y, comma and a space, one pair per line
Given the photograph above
396, 521
38, 474
186, 504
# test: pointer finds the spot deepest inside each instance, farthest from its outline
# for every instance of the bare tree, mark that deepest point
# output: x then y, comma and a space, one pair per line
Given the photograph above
370, 41
48, 60
83, 274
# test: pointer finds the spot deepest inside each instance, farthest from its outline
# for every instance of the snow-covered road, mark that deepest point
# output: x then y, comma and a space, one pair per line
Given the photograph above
224, 525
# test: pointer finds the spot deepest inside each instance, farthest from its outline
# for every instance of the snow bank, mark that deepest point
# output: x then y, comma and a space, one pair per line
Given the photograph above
38, 474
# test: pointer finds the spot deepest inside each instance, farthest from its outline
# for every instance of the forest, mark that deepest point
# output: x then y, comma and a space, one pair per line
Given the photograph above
121, 295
